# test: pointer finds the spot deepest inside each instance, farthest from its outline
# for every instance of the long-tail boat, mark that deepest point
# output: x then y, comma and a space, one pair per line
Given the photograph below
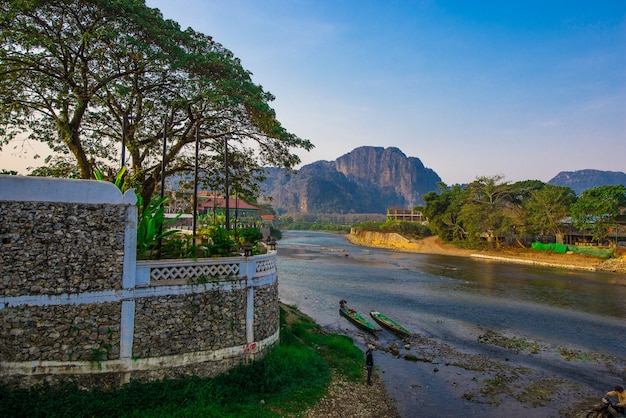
390, 324
356, 318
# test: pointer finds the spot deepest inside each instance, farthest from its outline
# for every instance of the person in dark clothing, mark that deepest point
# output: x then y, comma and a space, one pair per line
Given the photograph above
369, 363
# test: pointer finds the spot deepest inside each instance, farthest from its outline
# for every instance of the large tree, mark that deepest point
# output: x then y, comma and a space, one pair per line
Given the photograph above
442, 210
74, 72
546, 208
597, 209
486, 210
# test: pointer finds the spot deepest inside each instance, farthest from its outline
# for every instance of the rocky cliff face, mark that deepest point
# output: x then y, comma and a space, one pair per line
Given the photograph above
366, 180
389, 169
582, 180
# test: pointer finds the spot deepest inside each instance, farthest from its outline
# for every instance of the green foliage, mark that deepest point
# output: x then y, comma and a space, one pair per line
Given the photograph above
293, 376
485, 213
180, 246
597, 209
221, 242
373, 226
73, 71
250, 235
546, 207
152, 223
442, 211
57, 166
489, 211
119, 180
316, 225
407, 229
275, 232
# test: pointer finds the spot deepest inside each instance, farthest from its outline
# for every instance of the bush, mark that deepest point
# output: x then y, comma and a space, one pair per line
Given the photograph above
406, 229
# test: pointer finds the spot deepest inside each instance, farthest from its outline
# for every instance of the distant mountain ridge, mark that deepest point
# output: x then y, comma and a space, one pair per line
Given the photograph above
365, 180
372, 179
581, 180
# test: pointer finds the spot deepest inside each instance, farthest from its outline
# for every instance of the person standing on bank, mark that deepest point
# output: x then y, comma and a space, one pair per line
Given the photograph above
369, 363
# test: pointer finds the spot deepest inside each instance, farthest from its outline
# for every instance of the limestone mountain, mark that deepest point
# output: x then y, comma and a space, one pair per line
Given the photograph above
581, 180
365, 180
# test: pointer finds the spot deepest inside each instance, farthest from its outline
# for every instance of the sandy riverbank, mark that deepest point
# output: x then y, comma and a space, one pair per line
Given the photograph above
434, 245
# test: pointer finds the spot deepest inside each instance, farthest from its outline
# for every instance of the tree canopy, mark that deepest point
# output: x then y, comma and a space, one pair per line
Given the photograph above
75, 72
489, 210
598, 208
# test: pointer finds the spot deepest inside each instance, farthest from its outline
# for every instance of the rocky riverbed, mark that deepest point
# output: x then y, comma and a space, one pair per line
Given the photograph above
481, 379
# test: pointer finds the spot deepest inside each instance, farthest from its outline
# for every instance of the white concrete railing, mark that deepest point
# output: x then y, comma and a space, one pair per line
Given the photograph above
204, 270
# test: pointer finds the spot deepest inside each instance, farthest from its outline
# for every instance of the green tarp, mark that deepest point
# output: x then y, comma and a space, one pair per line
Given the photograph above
598, 252
557, 248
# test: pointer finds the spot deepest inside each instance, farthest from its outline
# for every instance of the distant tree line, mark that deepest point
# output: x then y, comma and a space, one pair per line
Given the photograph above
412, 230
490, 211
339, 222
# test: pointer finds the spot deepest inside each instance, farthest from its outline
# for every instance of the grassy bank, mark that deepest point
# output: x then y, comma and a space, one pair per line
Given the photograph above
293, 376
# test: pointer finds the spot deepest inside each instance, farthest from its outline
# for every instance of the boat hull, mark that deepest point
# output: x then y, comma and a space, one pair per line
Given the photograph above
390, 324
358, 320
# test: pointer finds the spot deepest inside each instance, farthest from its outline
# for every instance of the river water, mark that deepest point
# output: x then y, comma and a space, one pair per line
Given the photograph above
461, 310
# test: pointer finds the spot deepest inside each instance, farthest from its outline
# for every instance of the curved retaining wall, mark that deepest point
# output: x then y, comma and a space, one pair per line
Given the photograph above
75, 303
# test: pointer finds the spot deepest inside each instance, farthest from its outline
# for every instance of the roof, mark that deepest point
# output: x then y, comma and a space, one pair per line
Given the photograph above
220, 202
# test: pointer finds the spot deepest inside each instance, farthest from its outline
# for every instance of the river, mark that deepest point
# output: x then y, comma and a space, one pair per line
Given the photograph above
493, 339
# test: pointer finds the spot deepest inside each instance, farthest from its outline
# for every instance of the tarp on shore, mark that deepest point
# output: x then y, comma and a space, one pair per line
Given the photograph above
598, 252
557, 248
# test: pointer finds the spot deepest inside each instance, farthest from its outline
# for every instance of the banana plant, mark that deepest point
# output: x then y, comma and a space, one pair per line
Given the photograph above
152, 222
119, 178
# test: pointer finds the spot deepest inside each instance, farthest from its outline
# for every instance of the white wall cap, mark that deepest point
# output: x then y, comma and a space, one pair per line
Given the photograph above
47, 189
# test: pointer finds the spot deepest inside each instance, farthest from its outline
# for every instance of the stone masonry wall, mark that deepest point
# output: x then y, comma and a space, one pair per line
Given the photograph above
55, 248
267, 310
73, 304
60, 333
188, 323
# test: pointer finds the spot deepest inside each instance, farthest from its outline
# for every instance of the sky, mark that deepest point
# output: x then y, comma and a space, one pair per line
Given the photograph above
522, 89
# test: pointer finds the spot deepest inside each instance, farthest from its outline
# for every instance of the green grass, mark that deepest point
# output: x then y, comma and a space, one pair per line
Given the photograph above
292, 377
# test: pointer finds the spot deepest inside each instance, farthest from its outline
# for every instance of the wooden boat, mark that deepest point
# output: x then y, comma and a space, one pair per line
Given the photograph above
390, 324
357, 319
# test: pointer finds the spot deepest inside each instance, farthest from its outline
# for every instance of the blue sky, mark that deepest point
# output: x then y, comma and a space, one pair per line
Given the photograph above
471, 88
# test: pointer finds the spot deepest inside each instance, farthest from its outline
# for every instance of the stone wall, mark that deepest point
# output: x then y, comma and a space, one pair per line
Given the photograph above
80, 245
75, 304
170, 325
60, 333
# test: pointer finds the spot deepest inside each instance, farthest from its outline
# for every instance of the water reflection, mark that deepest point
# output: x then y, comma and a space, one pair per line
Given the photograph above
455, 300
585, 291
329, 265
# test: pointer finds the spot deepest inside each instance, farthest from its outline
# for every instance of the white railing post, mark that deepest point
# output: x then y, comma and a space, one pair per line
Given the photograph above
250, 273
